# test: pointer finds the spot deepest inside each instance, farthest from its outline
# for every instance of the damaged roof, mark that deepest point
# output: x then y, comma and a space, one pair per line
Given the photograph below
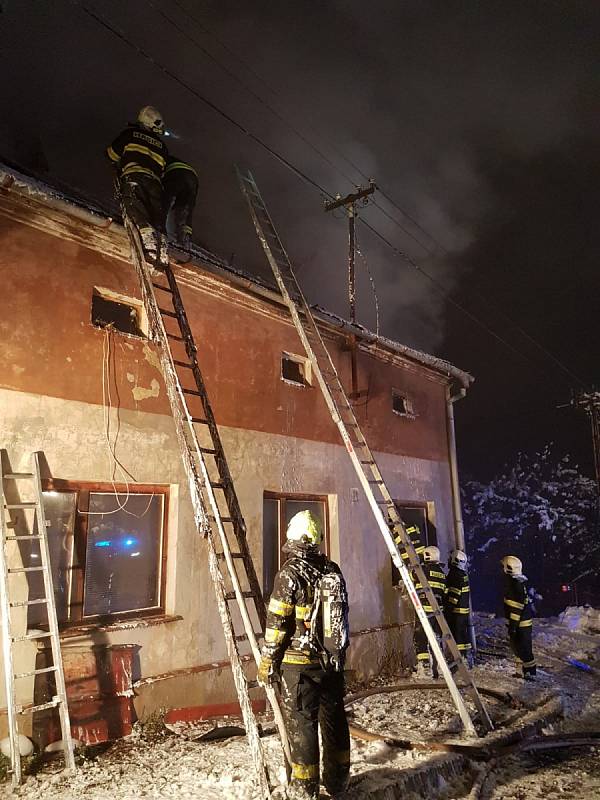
53, 193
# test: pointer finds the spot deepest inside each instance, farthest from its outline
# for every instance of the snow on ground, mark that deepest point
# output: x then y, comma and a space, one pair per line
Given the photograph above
162, 763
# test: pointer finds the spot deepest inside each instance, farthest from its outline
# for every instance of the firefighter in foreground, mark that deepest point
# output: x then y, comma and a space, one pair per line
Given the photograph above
519, 617
180, 188
426, 664
305, 643
139, 156
457, 603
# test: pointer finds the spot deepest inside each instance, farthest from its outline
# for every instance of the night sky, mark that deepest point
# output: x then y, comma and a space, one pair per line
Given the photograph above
478, 119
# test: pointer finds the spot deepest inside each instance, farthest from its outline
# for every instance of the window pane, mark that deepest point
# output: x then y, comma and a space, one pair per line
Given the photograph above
316, 506
270, 543
123, 554
59, 509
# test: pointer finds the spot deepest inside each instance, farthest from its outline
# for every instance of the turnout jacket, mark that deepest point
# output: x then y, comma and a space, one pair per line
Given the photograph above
457, 591
138, 151
517, 606
287, 637
179, 176
437, 581
414, 534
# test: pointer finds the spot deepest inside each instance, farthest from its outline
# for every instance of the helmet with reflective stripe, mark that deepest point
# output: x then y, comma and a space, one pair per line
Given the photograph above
512, 565
151, 118
458, 559
431, 554
305, 528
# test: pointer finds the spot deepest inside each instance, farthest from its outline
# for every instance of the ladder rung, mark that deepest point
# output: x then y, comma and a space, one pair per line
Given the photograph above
192, 391
185, 364
375, 482
166, 313
21, 603
42, 707
368, 462
26, 569
175, 338
243, 637
199, 420
252, 684
21, 505
29, 636
209, 450
15, 476
221, 556
232, 595
217, 485
26, 536
164, 288
35, 672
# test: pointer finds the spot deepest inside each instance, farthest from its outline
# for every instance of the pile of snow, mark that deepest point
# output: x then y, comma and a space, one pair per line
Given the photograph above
581, 618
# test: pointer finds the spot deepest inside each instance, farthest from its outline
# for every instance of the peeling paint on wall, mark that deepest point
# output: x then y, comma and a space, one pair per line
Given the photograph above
152, 358
140, 393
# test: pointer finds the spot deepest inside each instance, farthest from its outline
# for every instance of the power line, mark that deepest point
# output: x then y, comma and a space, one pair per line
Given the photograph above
440, 288
323, 156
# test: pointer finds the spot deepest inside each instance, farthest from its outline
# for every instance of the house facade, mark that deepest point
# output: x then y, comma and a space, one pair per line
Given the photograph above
81, 384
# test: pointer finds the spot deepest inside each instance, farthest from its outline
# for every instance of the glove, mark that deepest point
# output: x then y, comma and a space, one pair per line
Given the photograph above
266, 672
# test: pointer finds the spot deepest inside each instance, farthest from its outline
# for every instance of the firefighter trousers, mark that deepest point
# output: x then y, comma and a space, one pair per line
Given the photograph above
521, 644
313, 697
422, 643
180, 206
142, 198
459, 628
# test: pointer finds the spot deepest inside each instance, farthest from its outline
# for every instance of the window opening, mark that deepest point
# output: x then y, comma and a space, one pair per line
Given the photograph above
402, 405
415, 515
295, 369
124, 314
278, 509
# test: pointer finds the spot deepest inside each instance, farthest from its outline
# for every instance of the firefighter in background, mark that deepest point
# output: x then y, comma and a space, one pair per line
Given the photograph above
457, 603
426, 664
305, 642
139, 156
180, 188
519, 617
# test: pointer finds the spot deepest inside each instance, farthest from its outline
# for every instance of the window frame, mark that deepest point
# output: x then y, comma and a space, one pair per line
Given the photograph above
306, 369
281, 497
124, 300
428, 508
410, 412
82, 490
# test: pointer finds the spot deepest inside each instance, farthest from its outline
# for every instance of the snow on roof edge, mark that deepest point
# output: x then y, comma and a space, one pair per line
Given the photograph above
33, 185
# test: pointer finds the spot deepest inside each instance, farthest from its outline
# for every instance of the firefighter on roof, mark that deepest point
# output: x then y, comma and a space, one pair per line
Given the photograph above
517, 610
426, 664
139, 155
305, 642
457, 603
180, 187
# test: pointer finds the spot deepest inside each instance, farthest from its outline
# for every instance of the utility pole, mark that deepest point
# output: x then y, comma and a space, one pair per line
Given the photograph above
590, 403
349, 203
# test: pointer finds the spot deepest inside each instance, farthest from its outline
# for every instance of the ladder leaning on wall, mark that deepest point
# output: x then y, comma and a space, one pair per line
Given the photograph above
363, 460
216, 508
11, 505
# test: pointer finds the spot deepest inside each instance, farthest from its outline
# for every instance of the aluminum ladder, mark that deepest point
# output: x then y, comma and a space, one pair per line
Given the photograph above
36, 523
216, 508
363, 460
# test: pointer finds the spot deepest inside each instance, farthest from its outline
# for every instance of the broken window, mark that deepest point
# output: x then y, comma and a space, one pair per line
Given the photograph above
295, 369
278, 509
418, 515
117, 311
107, 551
402, 405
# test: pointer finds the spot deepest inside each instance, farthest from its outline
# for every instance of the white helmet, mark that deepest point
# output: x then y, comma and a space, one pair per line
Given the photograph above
305, 528
431, 554
512, 565
151, 117
458, 559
